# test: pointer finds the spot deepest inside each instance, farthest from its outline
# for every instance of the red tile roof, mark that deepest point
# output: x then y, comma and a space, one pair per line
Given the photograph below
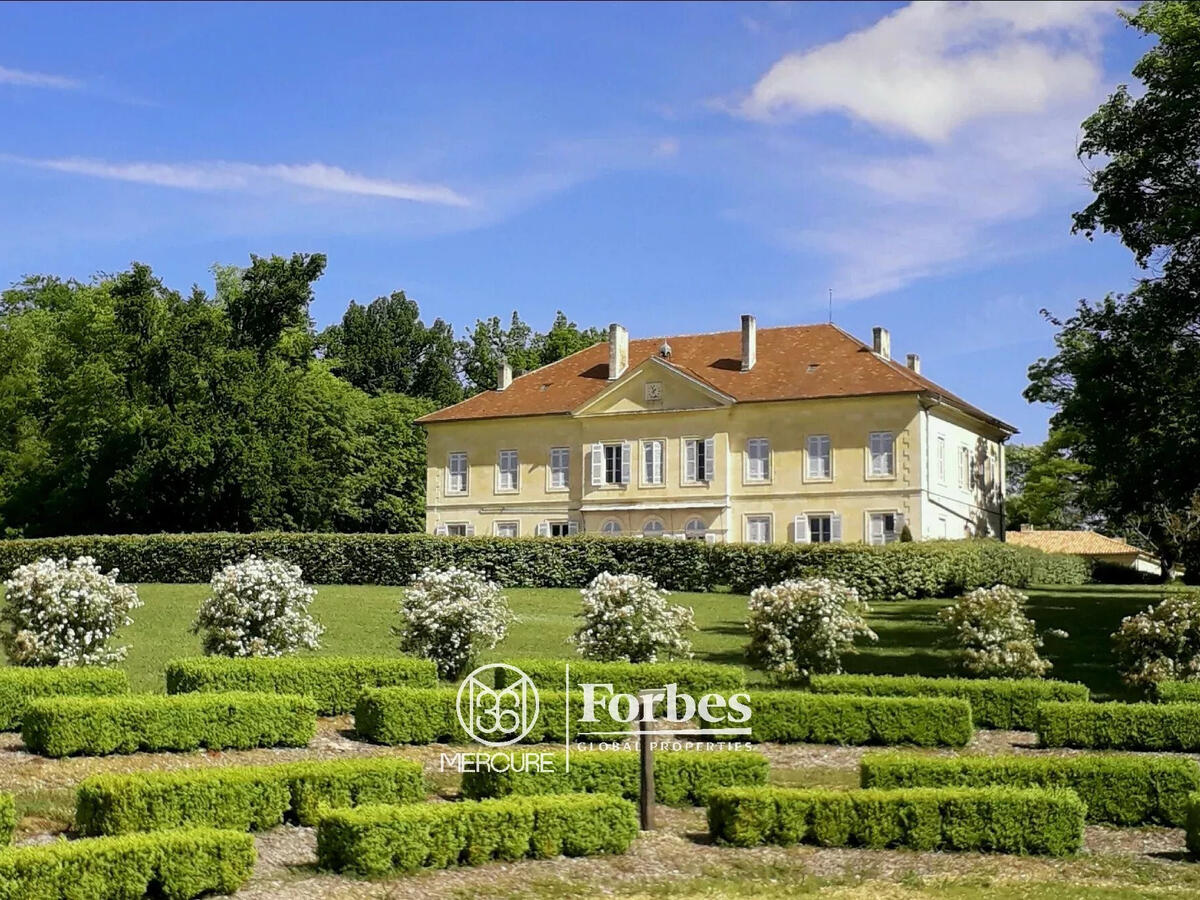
1083, 543
795, 362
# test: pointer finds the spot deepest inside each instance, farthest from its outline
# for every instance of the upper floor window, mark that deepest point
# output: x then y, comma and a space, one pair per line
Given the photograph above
508, 529
456, 481
758, 529
652, 462
941, 460
820, 460
964, 466
758, 459
560, 468
611, 463
698, 460
883, 453
506, 471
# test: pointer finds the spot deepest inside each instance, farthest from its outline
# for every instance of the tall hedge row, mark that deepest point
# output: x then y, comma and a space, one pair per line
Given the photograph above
897, 571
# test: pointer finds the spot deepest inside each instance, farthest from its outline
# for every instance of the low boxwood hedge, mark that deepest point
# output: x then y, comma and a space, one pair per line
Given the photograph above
333, 681
989, 819
896, 571
174, 864
1120, 726
246, 798
95, 726
692, 678
20, 685
1177, 692
681, 777
797, 717
8, 818
1118, 789
377, 840
1193, 824
429, 715
995, 702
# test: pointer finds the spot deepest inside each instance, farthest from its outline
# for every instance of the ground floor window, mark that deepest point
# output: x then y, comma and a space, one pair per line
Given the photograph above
653, 528
883, 528
610, 526
820, 529
695, 529
507, 529
758, 529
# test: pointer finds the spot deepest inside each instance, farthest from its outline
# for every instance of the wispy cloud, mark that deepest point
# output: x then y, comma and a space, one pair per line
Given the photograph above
236, 176
22, 78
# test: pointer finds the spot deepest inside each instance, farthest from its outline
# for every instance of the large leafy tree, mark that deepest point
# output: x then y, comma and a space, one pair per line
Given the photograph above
482, 350
1125, 379
1044, 487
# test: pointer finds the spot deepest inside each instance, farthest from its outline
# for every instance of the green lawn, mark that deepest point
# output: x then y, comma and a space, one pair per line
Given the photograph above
358, 619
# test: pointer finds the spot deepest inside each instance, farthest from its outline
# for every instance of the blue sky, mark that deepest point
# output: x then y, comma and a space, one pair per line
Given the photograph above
665, 166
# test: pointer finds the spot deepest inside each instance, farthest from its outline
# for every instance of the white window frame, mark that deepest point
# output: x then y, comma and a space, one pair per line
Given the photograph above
802, 526
459, 529
759, 517
941, 459
827, 440
649, 532
466, 474
605, 529
564, 453
513, 523
763, 475
658, 445
887, 537
964, 466
514, 471
690, 469
566, 527
598, 464
695, 533
871, 454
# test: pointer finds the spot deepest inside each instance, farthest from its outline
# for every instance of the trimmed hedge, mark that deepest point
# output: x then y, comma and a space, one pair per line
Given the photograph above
681, 777
333, 681
1120, 726
1177, 692
19, 685
8, 818
1193, 824
1118, 789
989, 819
429, 716
692, 678
995, 702
796, 717
377, 840
245, 798
95, 726
896, 571
174, 864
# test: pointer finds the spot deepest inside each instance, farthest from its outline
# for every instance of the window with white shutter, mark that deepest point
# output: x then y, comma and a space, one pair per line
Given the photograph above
758, 529
820, 459
597, 459
456, 474
691, 455
543, 528
459, 529
709, 455
652, 462
835, 528
507, 478
820, 528
884, 528
441, 530
758, 459
560, 468
941, 459
964, 466
626, 462
800, 529
882, 447
507, 529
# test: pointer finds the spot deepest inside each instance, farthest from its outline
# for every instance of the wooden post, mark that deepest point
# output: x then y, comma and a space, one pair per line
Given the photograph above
646, 746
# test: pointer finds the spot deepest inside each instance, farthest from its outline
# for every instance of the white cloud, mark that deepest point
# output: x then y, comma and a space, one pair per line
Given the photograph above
37, 79
232, 176
931, 67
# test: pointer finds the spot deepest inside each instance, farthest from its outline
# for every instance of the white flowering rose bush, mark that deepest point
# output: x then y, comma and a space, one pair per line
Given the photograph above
257, 607
628, 617
1161, 643
804, 627
449, 615
64, 613
993, 636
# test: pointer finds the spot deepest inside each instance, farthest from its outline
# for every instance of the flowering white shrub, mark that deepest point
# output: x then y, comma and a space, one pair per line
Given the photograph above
60, 613
627, 617
803, 627
995, 638
257, 607
1161, 643
449, 615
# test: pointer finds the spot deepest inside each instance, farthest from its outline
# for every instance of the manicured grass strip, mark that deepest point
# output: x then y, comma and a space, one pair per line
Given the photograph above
20, 685
8, 818
989, 819
1177, 692
681, 778
429, 715
1120, 726
377, 840
792, 717
95, 726
1118, 789
995, 702
174, 864
245, 798
692, 678
333, 681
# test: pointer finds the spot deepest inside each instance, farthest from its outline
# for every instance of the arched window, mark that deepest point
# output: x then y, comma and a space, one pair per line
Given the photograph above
653, 528
610, 526
695, 528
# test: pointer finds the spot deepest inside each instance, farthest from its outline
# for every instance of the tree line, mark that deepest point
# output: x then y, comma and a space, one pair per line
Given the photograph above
127, 406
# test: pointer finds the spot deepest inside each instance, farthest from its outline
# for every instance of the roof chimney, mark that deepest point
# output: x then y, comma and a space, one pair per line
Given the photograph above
618, 351
749, 343
881, 342
503, 375
914, 363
